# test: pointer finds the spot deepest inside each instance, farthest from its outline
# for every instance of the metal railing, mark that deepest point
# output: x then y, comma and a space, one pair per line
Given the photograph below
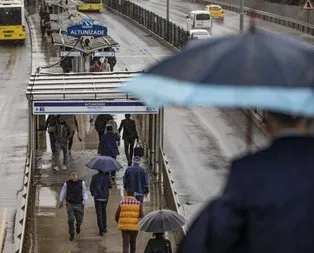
169, 31
170, 193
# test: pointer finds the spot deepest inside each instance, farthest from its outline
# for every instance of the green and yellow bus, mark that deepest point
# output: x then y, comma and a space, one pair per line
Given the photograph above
90, 5
12, 26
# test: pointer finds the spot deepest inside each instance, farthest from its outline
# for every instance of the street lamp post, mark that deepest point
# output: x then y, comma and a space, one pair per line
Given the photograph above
241, 16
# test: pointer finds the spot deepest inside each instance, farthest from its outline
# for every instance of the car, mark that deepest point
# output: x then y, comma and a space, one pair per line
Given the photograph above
199, 19
199, 34
215, 11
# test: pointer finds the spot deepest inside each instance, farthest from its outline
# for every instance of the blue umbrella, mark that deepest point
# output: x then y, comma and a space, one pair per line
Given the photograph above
256, 69
104, 163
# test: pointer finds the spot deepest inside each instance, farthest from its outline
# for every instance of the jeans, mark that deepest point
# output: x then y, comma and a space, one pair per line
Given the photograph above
129, 241
100, 207
100, 134
129, 154
52, 139
71, 141
64, 148
75, 213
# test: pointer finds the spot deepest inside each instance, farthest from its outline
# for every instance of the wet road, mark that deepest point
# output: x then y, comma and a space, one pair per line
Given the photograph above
15, 69
179, 10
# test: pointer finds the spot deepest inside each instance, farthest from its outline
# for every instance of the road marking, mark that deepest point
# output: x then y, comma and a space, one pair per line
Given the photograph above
2, 227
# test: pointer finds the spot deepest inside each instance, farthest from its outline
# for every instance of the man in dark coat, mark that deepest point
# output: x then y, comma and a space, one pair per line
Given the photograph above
99, 188
129, 135
100, 123
109, 146
267, 204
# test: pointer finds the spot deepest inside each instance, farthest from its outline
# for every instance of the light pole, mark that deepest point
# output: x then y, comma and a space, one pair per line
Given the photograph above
241, 16
167, 8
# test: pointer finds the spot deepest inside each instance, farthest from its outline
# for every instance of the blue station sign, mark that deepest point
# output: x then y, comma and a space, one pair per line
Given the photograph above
87, 28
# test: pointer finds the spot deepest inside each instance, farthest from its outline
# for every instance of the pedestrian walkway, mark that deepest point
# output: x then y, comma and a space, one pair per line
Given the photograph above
51, 228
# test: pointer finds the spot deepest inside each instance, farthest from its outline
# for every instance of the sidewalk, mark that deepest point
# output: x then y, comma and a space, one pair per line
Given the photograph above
51, 228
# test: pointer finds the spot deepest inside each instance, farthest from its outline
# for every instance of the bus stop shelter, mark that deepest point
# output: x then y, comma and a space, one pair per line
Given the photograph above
91, 93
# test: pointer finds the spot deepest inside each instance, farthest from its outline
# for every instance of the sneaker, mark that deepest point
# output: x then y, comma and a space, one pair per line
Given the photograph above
105, 230
78, 229
64, 167
71, 237
101, 233
55, 168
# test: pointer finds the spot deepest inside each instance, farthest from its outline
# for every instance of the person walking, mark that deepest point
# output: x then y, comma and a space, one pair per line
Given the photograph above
128, 215
100, 125
72, 123
99, 188
158, 244
50, 127
105, 66
109, 145
114, 125
129, 136
75, 194
63, 133
267, 204
135, 179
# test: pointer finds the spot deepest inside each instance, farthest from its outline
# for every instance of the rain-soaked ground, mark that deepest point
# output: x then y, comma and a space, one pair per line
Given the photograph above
51, 230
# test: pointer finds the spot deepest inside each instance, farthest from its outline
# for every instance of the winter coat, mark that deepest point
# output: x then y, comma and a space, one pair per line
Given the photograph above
129, 129
267, 204
100, 185
135, 179
101, 121
128, 214
108, 144
159, 245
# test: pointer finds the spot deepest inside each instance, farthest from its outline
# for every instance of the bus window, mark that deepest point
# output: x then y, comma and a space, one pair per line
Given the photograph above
10, 16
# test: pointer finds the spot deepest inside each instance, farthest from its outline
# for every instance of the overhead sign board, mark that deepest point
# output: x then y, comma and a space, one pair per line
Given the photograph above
308, 5
86, 27
91, 107
104, 54
71, 53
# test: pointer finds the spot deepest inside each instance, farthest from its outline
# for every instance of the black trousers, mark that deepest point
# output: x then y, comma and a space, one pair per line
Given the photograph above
129, 241
128, 149
100, 207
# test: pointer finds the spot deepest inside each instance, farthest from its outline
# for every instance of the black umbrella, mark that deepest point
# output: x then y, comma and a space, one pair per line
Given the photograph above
255, 69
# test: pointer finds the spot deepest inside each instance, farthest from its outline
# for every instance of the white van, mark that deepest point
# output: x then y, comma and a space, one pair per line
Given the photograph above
199, 19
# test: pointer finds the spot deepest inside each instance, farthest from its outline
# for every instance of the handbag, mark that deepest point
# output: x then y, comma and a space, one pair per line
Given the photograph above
138, 149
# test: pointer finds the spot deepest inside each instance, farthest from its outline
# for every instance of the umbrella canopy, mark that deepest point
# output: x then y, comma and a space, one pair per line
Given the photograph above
104, 164
256, 69
161, 221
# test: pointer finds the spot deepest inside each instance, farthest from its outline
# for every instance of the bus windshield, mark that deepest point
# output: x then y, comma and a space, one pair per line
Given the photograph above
10, 16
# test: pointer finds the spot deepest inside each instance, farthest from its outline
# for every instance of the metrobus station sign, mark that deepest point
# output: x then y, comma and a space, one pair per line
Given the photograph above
86, 27
91, 107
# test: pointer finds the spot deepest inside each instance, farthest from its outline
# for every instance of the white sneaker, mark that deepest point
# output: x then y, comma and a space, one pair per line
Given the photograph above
64, 167
55, 168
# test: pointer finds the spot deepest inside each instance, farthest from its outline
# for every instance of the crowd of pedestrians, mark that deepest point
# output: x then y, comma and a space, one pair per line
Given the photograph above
74, 192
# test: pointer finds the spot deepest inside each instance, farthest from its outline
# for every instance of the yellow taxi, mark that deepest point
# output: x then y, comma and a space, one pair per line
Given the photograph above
215, 11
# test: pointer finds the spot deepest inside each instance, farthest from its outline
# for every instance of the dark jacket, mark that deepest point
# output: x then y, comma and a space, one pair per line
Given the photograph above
62, 133
267, 204
101, 121
108, 144
74, 192
100, 185
129, 129
136, 179
51, 122
159, 245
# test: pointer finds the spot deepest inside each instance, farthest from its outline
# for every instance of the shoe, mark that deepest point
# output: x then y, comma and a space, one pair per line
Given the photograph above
70, 152
64, 167
71, 237
129, 163
105, 230
101, 233
55, 168
78, 229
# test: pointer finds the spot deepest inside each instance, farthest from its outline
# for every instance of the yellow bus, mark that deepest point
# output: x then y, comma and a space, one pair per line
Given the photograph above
90, 5
12, 26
